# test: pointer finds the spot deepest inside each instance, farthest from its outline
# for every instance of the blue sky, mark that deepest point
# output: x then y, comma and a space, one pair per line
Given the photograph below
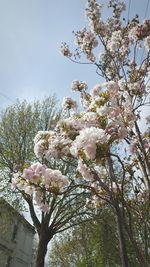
31, 32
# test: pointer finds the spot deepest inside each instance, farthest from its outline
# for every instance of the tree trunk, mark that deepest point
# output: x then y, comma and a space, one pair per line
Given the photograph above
42, 249
141, 258
140, 255
120, 228
122, 245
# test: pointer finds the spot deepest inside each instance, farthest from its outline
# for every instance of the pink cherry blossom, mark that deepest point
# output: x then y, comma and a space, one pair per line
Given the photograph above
69, 103
88, 139
84, 171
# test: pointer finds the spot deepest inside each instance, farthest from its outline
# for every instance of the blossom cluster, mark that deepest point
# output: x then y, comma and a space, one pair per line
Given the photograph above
87, 142
51, 144
118, 42
143, 30
69, 103
118, 7
78, 86
86, 41
147, 43
93, 14
38, 179
65, 51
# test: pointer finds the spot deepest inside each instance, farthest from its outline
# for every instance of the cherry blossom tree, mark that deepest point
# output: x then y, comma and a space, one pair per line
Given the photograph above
111, 118
54, 200
106, 136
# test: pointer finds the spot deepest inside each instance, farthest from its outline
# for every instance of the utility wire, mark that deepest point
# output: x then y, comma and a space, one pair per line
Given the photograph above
147, 6
129, 6
145, 14
8, 98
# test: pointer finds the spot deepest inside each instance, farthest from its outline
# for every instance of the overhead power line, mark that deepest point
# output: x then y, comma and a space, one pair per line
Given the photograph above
146, 10
7, 97
129, 6
145, 14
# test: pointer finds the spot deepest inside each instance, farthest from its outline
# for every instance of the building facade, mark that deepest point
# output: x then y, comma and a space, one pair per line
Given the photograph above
16, 238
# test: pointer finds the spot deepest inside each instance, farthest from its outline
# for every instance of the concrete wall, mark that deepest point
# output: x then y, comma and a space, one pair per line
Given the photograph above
16, 239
